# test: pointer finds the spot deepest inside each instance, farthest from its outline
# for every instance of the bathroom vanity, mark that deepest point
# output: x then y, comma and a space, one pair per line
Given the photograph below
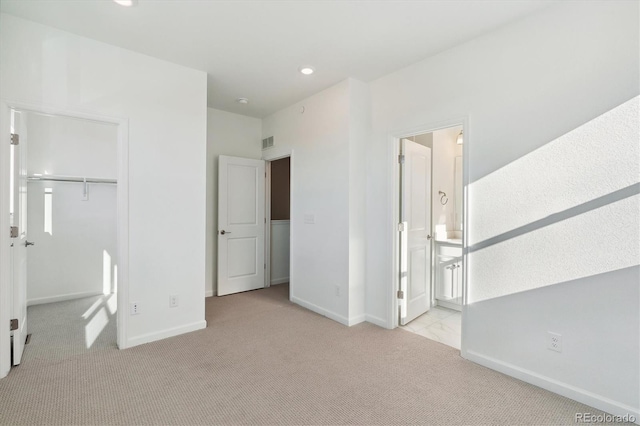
448, 276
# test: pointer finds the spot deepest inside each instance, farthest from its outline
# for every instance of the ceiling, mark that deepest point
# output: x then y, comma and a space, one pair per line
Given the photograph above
253, 49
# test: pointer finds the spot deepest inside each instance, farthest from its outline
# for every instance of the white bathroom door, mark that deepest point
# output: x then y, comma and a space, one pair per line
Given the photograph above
18, 217
241, 224
415, 247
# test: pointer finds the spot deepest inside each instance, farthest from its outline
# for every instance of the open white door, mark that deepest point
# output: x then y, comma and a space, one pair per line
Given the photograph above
6, 292
415, 238
241, 224
18, 218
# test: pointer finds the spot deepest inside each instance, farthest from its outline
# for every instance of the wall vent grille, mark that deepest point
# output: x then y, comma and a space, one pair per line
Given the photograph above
267, 143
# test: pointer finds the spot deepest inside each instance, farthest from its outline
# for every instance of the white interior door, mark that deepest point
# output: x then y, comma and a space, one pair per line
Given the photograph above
18, 218
241, 224
415, 239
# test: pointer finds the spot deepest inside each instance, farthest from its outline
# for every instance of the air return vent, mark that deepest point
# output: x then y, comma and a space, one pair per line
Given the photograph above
267, 143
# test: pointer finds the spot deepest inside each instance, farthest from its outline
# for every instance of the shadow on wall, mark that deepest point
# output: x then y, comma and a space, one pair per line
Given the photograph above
567, 210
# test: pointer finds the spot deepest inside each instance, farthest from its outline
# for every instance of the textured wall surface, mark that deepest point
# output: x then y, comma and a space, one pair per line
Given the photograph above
532, 248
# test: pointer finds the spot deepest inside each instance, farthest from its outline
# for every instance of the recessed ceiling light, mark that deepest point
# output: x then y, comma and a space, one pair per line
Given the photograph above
306, 70
242, 100
126, 3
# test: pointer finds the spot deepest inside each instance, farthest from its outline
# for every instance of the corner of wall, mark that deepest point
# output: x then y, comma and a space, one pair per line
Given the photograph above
359, 127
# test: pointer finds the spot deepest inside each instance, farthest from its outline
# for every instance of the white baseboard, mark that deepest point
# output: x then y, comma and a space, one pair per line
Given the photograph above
63, 297
356, 320
577, 394
279, 280
209, 293
170, 332
321, 311
376, 320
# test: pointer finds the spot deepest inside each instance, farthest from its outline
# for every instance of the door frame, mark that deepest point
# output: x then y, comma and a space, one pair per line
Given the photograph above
394, 210
274, 154
122, 225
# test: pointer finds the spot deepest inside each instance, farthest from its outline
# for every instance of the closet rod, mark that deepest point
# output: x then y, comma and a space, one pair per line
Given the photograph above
53, 178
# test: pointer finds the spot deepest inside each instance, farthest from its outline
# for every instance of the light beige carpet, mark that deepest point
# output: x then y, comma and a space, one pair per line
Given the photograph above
263, 360
64, 329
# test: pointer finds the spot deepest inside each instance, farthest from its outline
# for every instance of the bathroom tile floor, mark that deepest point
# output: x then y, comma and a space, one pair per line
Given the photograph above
440, 324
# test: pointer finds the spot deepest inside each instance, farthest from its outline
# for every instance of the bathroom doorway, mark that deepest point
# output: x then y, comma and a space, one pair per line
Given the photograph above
430, 231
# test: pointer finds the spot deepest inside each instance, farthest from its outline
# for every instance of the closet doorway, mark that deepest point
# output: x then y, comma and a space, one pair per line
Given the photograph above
72, 267
68, 204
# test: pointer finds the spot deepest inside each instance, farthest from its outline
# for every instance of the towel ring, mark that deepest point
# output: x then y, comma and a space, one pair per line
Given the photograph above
443, 198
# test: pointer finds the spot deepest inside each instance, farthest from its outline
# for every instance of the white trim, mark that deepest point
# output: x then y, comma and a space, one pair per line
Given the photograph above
357, 319
465, 232
273, 154
329, 314
279, 280
577, 394
63, 297
209, 293
169, 332
318, 310
5, 251
123, 232
380, 322
267, 224
280, 222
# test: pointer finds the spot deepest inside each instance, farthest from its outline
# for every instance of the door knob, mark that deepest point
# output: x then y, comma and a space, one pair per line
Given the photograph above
29, 243
429, 237
224, 232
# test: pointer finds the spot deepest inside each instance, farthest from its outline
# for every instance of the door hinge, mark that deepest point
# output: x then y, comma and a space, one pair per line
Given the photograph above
13, 232
401, 227
15, 139
400, 294
401, 158
13, 324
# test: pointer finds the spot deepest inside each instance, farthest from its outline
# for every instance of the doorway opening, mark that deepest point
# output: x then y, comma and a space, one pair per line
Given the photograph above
254, 204
278, 230
67, 202
429, 260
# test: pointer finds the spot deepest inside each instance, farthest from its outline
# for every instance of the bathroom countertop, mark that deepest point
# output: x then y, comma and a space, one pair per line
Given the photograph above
450, 242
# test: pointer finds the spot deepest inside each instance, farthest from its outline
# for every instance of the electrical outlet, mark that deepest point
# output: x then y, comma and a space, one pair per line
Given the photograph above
173, 301
135, 308
554, 341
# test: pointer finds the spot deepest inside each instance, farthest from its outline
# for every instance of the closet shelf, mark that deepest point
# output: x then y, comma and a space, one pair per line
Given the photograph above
58, 178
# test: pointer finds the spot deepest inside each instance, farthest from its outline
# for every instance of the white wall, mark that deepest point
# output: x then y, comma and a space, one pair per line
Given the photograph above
325, 254
73, 147
79, 256
445, 149
522, 87
75, 251
227, 134
280, 237
165, 105
360, 123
